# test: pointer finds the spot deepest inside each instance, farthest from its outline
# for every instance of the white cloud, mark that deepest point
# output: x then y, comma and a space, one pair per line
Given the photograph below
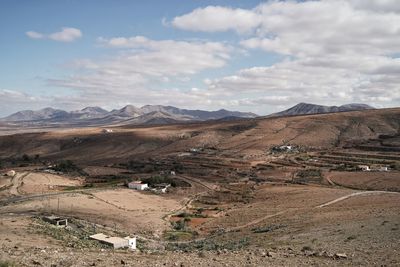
166, 57
217, 18
144, 71
67, 34
338, 50
34, 35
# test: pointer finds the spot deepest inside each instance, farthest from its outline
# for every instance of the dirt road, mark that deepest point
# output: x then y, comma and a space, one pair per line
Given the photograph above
353, 195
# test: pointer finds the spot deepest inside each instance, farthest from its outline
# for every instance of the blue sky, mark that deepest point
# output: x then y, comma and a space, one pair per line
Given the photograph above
241, 55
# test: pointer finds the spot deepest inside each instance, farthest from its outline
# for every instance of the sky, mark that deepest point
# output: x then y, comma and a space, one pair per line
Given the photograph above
258, 56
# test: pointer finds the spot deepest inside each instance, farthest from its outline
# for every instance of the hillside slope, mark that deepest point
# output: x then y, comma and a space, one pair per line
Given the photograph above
237, 138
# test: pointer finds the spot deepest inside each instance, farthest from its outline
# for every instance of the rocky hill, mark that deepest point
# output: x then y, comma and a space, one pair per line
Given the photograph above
306, 108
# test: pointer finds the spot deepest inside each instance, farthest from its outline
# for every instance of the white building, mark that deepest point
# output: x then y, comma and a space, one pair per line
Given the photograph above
364, 168
285, 148
116, 242
383, 168
137, 185
107, 131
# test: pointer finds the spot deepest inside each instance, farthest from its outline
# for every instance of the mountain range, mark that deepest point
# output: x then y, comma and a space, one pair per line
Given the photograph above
155, 114
149, 114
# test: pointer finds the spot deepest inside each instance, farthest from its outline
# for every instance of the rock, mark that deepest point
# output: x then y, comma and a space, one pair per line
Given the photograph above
263, 254
271, 254
340, 256
123, 262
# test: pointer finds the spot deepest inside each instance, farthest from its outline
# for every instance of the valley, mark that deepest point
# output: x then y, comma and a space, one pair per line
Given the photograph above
264, 191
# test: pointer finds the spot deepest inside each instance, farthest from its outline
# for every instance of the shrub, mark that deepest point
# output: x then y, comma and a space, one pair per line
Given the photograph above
25, 157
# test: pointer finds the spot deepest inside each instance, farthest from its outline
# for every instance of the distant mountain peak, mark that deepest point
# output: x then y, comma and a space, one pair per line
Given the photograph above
307, 108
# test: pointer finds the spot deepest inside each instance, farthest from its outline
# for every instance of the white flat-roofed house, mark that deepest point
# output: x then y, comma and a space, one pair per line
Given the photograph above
383, 168
364, 168
115, 242
138, 185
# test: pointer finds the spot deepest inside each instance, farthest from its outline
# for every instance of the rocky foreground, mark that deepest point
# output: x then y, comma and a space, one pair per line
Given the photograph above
47, 256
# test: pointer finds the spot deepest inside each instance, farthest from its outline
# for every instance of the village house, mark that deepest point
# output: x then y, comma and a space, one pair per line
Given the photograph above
137, 185
115, 242
383, 168
364, 168
56, 220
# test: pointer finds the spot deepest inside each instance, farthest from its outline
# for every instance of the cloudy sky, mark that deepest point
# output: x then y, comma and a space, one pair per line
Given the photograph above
239, 55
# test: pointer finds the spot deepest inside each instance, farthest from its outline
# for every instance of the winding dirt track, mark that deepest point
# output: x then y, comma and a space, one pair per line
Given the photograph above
353, 195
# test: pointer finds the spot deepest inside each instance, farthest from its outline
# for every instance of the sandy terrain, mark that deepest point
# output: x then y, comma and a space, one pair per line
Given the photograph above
4, 181
365, 228
34, 183
128, 209
367, 180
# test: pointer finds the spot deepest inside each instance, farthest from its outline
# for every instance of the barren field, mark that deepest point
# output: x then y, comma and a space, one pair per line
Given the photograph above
389, 181
34, 183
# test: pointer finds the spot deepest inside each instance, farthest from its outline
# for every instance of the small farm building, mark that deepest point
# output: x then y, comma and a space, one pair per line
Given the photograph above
57, 221
137, 185
115, 242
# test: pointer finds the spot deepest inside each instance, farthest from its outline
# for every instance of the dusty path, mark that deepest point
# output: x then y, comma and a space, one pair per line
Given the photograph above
191, 180
355, 194
256, 221
189, 201
17, 182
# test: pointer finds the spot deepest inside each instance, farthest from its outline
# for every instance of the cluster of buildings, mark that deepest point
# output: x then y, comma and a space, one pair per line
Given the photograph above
367, 168
284, 148
156, 188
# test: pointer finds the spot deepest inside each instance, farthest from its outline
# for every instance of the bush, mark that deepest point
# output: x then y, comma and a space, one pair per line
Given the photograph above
25, 157
179, 225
